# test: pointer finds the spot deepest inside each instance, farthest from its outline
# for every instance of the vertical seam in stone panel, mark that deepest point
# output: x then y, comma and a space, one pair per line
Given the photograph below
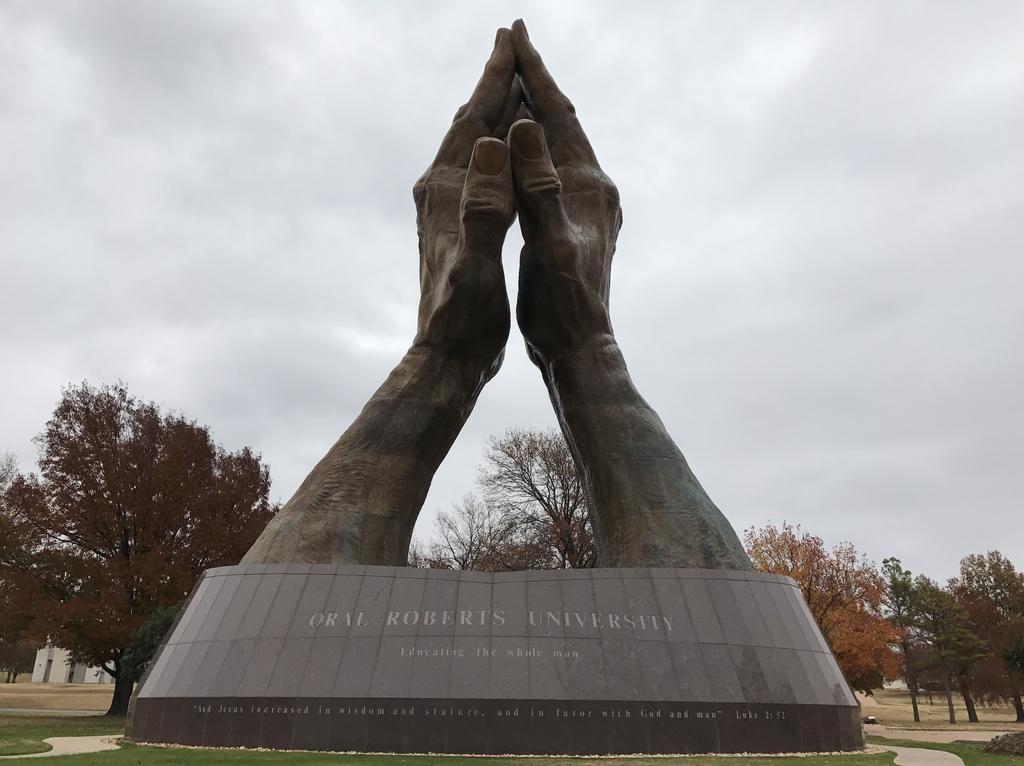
259, 629
160, 688
380, 637
189, 612
734, 586
295, 606
416, 637
797, 634
657, 599
160, 728
348, 633
666, 642
244, 609
718, 617
490, 629
598, 639
202, 611
193, 690
686, 609
312, 639
144, 681
761, 609
490, 602
850, 697
220, 595
808, 623
204, 647
181, 614
448, 682
565, 660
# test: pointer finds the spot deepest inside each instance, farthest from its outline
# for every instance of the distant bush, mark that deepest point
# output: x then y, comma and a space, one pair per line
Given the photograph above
1007, 744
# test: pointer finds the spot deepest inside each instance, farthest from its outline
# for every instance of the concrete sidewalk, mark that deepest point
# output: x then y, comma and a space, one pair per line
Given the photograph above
936, 735
58, 713
72, 746
919, 756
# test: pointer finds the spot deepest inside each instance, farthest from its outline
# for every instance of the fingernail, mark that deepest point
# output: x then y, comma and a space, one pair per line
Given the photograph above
522, 24
497, 37
489, 156
528, 138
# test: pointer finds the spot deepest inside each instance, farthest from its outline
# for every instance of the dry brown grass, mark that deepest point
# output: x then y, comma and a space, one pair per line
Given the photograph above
893, 709
56, 696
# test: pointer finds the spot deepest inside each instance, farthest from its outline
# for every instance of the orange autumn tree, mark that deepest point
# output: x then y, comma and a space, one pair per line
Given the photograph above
844, 593
129, 507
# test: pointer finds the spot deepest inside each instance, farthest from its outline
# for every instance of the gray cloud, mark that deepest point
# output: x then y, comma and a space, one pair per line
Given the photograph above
817, 284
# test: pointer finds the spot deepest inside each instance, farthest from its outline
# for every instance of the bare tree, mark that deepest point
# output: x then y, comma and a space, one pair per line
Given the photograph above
8, 470
469, 535
529, 477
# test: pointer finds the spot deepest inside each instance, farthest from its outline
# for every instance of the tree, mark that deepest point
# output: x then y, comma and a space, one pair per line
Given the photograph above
844, 593
146, 640
130, 506
475, 536
470, 536
899, 602
952, 648
532, 513
16, 658
8, 470
1013, 656
530, 478
990, 591
17, 653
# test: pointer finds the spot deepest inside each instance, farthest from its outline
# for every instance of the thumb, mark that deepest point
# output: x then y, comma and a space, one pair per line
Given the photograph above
538, 188
488, 200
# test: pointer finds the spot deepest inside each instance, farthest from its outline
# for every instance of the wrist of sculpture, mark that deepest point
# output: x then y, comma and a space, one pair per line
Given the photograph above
594, 371
651, 510
467, 366
360, 502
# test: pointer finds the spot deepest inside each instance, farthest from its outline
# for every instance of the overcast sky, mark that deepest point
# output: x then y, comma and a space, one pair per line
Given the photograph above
818, 285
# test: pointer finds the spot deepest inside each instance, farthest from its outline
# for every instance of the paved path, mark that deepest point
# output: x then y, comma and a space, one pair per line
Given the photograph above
72, 746
919, 756
936, 735
47, 711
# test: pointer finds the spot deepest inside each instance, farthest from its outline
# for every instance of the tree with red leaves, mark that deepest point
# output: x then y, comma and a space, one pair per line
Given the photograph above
130, 506
990, 591
844, 593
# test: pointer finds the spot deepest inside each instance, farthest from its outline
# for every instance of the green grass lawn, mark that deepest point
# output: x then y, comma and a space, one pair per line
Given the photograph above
134, 755
23, 734
970, 752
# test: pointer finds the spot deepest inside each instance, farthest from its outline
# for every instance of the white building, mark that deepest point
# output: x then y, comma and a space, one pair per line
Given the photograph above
55, 666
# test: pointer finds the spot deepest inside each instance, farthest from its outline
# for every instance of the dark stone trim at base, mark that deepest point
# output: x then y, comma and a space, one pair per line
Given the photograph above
495, 727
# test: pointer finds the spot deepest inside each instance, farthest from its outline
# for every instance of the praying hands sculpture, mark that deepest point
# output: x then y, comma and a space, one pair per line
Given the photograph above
516, 145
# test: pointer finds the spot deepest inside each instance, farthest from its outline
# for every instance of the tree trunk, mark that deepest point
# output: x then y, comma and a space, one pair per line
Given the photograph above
965, 690
123, 686
913, 699
1018, 705
949, 699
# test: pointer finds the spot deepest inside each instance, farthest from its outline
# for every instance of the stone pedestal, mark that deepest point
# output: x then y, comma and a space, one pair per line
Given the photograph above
599, 661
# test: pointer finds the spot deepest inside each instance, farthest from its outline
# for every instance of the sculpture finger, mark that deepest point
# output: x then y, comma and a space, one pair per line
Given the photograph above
485, 108
551, 107
546, 228
513, 108
488, 200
